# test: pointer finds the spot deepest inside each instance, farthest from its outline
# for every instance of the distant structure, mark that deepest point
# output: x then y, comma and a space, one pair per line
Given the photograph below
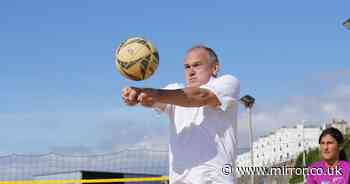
282, 145
341, 125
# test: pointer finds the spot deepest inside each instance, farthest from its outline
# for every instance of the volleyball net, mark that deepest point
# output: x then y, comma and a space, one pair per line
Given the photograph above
127, 166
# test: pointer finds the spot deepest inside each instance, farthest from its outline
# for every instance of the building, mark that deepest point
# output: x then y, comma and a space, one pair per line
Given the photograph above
341, 125
282, 145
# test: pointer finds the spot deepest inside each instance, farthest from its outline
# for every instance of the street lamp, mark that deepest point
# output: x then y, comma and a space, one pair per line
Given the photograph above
346, 24
303, 141
248, 102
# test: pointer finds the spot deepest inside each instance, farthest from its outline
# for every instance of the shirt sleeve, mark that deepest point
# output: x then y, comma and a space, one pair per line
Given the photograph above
226, 88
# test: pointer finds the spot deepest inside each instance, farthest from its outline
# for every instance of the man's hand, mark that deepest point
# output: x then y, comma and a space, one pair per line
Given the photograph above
130, 95
148, 97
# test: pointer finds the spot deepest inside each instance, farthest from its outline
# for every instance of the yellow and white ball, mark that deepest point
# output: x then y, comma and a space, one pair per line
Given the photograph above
136, 58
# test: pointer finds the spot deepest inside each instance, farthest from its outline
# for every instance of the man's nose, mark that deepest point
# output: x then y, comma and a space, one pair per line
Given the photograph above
191, 71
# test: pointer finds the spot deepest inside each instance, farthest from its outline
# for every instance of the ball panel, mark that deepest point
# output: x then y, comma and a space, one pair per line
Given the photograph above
136, 66
133, 52
128, 75
126, 65
152, 66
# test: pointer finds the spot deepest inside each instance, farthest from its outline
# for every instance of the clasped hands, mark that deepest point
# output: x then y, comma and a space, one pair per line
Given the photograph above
143, 96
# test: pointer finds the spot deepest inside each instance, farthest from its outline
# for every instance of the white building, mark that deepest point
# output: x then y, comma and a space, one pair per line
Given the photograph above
282, 145
341, 125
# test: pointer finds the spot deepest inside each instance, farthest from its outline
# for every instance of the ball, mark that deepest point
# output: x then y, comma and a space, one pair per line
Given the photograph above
136, 58
347, 24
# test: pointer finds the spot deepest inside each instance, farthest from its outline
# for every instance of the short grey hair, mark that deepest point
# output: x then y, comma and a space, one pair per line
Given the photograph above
213, 57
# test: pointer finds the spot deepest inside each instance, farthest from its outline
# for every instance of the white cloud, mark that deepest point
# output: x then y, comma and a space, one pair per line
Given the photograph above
329, 108
79, 131
342, 91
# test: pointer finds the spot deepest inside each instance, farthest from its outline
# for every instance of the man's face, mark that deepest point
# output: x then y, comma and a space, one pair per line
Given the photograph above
329, 148
198, 70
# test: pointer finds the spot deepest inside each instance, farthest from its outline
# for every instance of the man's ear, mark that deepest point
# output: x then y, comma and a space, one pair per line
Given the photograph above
215, 69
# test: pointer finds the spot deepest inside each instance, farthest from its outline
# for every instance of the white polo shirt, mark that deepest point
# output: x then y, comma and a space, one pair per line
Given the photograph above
204, 139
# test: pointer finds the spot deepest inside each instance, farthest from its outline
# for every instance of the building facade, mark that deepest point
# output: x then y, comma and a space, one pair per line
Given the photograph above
341, 125
282, 145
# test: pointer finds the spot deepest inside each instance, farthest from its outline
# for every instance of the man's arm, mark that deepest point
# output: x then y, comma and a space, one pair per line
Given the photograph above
186, 97
130, 97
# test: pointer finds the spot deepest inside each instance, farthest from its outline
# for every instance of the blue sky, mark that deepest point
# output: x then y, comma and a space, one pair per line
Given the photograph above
60, 90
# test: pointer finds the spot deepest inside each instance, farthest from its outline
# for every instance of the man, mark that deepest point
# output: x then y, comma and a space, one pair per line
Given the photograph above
203, 117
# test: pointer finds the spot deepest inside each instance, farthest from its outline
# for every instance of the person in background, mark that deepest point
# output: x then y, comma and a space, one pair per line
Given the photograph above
334, 167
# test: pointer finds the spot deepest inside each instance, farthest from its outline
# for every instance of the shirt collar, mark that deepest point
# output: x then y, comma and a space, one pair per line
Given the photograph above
334, 165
